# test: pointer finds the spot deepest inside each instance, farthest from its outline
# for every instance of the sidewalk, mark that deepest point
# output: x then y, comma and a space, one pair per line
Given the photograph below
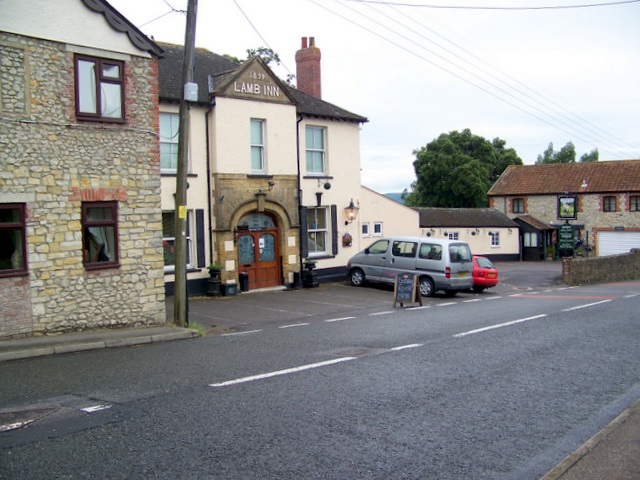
76, 342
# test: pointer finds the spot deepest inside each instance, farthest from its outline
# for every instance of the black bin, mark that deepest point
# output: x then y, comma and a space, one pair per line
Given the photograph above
244, 281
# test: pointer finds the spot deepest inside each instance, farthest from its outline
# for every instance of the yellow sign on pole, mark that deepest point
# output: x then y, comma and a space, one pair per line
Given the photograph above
182, 211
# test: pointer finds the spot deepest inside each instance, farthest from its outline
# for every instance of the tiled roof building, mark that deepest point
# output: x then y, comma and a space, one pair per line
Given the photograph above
607, 200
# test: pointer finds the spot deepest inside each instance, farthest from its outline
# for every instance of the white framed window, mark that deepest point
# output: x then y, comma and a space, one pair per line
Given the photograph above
169, 126
257, 146
365, 230
315, 150
453, 235
317, 231
495, 239
169, 241
377, 229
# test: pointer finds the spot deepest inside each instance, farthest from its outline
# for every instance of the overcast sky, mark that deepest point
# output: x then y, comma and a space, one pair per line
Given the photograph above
513, 70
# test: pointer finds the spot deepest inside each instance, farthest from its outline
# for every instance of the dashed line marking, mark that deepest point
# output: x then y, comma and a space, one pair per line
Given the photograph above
379, 313
446, 304
500, 325
293, 325
585, 306
472, 300
405, 347
281, 372
331, 320
236, 334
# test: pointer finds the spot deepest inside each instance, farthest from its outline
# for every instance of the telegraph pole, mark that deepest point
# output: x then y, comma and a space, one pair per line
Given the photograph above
180, 294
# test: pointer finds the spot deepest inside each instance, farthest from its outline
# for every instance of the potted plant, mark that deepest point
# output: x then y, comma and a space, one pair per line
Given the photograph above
215, 268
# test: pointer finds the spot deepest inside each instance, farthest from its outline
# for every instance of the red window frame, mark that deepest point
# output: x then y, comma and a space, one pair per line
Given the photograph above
105, 223
100, 79
19, 226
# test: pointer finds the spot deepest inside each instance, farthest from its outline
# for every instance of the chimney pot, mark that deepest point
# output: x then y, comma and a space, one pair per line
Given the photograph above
308, 68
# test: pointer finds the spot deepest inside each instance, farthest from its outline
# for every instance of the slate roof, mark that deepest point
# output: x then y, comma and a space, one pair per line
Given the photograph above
464, 218
551, 179
208, 64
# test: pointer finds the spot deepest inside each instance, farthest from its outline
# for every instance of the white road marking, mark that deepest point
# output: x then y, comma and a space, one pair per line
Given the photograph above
404, 347
446, 304
472, 300
379, 313
422, 307
338, 319
294, 325
492, 327
95, 408
281, 372
240, 333
585, 306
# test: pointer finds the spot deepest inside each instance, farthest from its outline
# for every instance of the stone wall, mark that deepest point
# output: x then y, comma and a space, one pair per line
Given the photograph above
52, 163
612, 268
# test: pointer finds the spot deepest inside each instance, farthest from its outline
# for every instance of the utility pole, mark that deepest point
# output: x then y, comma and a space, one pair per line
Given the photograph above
180, 294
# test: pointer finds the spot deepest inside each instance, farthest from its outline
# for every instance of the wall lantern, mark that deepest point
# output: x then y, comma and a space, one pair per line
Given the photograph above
352, 212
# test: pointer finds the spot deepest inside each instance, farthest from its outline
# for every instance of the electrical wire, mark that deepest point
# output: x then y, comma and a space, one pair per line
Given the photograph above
476, 7
574, 132
260, 35
544, 101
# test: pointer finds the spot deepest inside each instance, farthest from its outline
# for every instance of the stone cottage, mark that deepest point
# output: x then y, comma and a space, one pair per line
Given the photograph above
80, 227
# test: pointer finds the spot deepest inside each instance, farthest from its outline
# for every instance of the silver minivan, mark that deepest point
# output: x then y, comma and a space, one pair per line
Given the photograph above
440, 264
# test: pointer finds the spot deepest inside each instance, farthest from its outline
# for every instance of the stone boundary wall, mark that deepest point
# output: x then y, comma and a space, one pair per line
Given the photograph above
612, 268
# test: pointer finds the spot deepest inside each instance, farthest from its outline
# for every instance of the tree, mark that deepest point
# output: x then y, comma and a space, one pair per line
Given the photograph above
457, 169
590, 157
266, 54
269, 56
567, 154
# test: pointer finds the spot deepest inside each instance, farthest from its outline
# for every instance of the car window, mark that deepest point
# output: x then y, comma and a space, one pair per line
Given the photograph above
404, 249
431, 251
484, 262
378, 247
459, 252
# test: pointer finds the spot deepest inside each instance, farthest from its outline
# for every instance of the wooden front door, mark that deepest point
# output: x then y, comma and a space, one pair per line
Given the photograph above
258, 256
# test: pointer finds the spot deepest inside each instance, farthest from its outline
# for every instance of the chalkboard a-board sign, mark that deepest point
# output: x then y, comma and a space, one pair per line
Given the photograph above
406, 289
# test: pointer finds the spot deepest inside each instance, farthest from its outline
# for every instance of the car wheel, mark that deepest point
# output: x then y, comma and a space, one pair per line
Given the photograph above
478, 289
357, 277
426, 287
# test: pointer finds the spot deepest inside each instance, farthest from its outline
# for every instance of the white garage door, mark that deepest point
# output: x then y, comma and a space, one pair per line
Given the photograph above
610, 243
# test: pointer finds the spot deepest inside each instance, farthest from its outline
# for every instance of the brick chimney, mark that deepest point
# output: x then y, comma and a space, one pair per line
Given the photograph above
308, 68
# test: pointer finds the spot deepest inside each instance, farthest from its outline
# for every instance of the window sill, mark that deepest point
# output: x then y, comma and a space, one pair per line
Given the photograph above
101, 266
319, 257
315, 176
172, 271
13, 273
169, 173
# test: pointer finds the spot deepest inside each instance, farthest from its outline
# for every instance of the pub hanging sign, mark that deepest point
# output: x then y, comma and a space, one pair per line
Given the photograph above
567, 207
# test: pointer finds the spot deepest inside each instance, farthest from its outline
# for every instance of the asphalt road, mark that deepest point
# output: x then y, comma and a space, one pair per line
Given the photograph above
336, 383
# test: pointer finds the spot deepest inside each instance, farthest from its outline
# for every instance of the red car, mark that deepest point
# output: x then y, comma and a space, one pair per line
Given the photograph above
485, 274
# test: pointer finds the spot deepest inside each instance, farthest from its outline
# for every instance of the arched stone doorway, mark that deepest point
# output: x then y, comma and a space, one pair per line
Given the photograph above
258, 250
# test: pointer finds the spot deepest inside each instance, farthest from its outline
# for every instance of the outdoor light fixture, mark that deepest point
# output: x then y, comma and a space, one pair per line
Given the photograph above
352, 212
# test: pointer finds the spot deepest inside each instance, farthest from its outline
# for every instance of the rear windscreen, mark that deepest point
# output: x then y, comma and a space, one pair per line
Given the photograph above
459, 252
